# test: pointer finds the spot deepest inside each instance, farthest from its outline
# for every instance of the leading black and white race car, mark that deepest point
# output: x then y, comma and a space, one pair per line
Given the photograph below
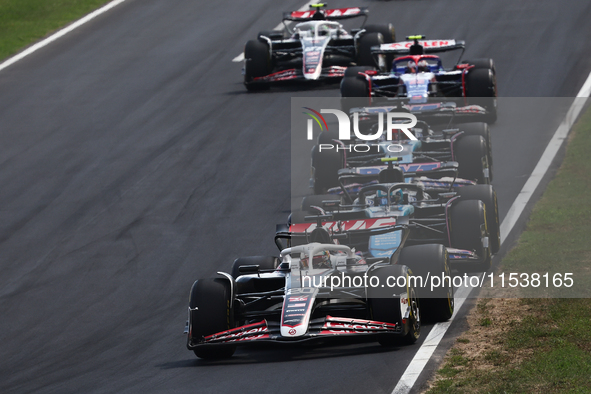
317, 48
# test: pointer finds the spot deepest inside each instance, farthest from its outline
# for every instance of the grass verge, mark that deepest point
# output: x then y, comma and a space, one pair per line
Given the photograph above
23, 22
536, 344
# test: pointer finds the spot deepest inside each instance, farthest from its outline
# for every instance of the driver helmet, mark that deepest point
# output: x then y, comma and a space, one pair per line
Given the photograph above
321, 260
411, 67
381, 199
323, 30
423, 66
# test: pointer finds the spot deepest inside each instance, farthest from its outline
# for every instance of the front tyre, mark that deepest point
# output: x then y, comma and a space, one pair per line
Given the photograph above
389, 310
257, 64
472, 156
427, 261
354, 85
481, 129
325, 167
488, 196
210, 313
467, 230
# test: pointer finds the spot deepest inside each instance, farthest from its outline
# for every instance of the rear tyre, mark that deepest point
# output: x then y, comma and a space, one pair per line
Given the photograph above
257, 64
316, 200
481, 129
481, 87
426, 261
389, 35
364, 55
210, 313
485, 63
389, 310
264, 263
325, 166
467, 229
486, 194
472, 156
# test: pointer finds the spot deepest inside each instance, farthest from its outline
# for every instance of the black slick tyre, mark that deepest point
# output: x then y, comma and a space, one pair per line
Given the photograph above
210, 313
467, 228
257, 64
388, 309
389, 35
488, 196
485, 63
472, 156
366, 42
481, 88
354, 89
427, 261
482, 129
325, 165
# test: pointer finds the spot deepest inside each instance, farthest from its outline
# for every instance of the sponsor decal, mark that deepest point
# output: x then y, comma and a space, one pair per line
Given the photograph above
424, 43
255, 333
298, 298
292, 332
346, 225
328, 13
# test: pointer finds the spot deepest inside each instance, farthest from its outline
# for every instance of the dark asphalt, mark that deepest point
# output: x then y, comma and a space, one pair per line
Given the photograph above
134, 162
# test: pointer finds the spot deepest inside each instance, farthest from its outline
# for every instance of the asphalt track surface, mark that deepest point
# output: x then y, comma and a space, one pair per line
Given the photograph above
134, 162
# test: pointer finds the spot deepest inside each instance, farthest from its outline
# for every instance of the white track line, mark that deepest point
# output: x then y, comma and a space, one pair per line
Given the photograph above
59, 34
280, 26
438, 331
423, 355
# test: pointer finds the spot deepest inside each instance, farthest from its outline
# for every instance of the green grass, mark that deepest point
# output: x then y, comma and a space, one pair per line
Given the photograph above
23, 22
547, 348
558, 235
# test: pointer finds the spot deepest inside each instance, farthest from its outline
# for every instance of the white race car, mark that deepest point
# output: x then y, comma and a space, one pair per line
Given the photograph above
318, 47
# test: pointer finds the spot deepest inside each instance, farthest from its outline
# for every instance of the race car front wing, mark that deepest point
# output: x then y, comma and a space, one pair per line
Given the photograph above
329, 326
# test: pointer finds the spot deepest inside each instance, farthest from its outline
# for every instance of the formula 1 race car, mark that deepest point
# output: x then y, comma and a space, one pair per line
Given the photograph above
460, 155
420, 77
465, 219
295, 297
447, 143
317, 48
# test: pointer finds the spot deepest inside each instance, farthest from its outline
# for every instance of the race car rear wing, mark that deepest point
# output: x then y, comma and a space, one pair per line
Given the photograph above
429, 46
347, 232
331, 15
431, 112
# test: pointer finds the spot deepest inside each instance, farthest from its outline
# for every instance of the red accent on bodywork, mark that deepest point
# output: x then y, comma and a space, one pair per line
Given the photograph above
279, 76
346, 225
327, 13
243, 333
